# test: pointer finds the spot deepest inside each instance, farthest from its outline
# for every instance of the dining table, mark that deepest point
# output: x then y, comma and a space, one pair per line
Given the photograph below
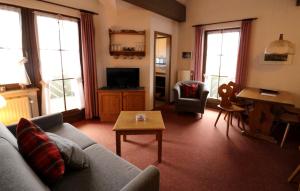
264, 102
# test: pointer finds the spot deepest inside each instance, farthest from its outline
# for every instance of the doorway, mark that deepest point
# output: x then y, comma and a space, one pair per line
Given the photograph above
162, 68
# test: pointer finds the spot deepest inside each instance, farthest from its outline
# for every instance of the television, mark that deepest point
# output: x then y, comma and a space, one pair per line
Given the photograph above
123, 78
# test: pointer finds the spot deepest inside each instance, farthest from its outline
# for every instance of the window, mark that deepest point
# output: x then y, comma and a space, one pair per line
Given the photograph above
11, 53
220, 58
60, 63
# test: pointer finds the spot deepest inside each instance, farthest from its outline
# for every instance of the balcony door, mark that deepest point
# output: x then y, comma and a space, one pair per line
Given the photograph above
220, 61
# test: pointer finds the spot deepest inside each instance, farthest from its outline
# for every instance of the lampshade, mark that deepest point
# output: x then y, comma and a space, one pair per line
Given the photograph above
2, 101
184, 75
280, 47
24, 79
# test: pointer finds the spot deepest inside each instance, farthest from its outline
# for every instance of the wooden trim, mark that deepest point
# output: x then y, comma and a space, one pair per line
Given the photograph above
221, 22
168, 8
69, 7
38, 10
156, 33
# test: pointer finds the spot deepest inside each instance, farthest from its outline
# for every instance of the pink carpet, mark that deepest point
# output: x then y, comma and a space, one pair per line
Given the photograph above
197, 156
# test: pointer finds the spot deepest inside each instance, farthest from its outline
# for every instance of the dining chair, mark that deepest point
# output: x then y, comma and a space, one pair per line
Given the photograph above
226, 106
291, 116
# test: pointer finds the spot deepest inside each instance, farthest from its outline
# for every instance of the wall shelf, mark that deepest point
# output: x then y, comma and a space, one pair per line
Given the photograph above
122, 40
127, 53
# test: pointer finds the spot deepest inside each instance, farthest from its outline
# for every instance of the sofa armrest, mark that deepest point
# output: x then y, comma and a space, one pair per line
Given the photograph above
147, 180
45, 122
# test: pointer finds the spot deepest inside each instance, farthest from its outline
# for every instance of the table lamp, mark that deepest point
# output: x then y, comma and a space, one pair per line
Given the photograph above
24, 79
184, 75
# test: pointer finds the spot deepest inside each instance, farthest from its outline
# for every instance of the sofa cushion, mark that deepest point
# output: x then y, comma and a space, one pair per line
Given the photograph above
15, 173
6, 134
39, 151
70, 132
73, 155
107, 172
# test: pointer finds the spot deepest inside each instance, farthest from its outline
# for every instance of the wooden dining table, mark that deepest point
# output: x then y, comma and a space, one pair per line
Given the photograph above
261, 117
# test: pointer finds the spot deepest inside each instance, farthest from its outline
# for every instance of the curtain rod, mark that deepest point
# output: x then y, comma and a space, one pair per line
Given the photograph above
224, 22
69, 7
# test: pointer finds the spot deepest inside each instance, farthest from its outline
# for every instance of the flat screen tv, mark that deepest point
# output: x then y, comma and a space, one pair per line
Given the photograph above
123, 78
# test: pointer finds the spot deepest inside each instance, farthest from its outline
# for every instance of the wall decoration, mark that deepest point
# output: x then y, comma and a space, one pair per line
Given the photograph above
186, 55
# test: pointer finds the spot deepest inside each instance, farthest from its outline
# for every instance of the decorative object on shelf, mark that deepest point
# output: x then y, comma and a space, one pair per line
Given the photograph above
186, 55
184, 75
140, 117
279, 50
127, 43
2, 88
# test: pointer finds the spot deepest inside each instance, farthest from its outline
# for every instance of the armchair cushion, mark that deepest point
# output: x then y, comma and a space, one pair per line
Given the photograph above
190, 90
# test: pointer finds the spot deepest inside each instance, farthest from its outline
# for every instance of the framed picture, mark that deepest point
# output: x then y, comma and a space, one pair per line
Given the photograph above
186, 55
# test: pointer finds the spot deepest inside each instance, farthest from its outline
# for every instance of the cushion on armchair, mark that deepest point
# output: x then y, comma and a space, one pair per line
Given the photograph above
190, 90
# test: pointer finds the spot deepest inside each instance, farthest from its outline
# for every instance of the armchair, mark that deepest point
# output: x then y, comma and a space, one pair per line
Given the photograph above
196, 105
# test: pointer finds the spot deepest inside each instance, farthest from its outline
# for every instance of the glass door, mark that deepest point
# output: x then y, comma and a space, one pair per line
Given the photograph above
220, 60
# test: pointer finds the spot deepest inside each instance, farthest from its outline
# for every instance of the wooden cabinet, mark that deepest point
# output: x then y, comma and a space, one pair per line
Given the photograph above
112, 102
134, 101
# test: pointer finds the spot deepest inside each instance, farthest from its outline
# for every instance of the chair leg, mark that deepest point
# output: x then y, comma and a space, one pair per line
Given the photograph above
201, 115
228, 121
285, 134
295, 172
242, 121
218, 118
231, 116
225, 116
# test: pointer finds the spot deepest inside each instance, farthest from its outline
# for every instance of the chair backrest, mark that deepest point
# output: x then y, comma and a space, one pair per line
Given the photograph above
225, 92
235, 89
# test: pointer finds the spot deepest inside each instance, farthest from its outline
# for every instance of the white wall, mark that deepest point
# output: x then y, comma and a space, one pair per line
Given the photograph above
274, 17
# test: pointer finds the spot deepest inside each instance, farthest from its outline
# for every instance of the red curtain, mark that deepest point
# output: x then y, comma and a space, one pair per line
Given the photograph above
242, 63
89, 64
198, 64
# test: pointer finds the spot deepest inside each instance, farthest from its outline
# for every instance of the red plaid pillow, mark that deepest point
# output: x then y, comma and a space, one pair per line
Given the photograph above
190, 90
40, 153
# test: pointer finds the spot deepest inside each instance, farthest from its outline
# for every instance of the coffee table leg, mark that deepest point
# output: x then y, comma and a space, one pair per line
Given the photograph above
118, 143
159, 139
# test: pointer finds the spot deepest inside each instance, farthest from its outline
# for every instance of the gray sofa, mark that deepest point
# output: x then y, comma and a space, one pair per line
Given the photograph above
107, 171
196, 105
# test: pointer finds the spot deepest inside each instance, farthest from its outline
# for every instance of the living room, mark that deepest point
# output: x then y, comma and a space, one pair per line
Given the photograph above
189, 152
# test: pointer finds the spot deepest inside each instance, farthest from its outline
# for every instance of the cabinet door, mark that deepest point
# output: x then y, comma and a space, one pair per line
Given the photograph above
110, 105
134, 101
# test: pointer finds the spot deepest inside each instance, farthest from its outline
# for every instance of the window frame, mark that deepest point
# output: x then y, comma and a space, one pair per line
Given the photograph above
76, 111
212, 102
14, 86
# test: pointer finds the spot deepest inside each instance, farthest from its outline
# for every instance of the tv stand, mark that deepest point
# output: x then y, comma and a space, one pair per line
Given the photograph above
112, 101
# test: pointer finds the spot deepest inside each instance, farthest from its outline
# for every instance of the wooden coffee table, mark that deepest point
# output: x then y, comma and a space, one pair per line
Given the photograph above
127, 125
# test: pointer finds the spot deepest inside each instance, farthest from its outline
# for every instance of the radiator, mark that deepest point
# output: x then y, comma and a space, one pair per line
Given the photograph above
15, 109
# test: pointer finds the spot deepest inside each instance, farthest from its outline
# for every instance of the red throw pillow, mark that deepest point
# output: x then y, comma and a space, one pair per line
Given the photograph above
190, 90
41, 154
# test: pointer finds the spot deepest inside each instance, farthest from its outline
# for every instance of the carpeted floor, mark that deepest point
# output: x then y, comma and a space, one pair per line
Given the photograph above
197, 156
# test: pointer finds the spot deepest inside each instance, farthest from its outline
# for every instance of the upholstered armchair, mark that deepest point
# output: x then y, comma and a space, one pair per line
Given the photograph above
195, 104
